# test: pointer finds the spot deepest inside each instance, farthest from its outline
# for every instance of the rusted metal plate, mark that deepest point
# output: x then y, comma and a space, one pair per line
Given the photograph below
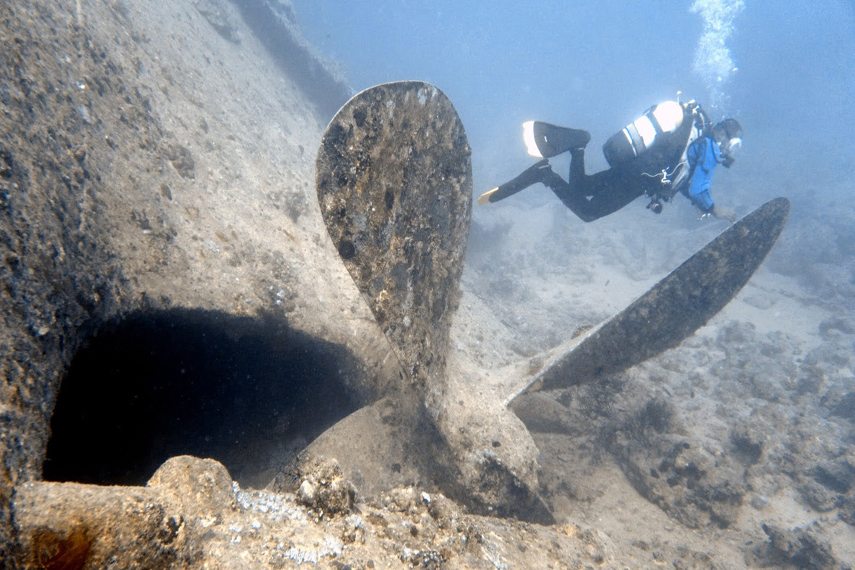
394, 183
675, 307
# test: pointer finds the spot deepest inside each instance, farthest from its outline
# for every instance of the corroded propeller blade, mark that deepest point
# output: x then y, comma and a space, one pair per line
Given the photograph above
394, 182
672, 309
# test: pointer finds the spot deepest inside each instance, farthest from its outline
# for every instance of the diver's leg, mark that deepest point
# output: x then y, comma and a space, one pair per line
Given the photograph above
595, 196
547, 140
577, 176
618, 195
531, 175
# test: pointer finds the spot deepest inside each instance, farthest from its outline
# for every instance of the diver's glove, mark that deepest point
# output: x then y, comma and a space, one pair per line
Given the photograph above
723, 213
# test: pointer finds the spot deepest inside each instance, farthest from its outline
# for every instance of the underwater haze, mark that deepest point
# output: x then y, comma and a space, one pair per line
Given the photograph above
535, 272
786, 71
182, 228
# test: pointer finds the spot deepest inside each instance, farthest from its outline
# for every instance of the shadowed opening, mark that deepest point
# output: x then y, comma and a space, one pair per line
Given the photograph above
247, 392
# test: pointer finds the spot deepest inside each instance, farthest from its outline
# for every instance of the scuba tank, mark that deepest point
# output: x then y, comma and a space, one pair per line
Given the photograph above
643, 133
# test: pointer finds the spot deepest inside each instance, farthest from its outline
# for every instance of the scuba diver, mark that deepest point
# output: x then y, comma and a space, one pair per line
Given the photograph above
672, 147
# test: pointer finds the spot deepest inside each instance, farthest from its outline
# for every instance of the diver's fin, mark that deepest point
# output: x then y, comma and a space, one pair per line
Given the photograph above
545, 140
671, 310
531, 175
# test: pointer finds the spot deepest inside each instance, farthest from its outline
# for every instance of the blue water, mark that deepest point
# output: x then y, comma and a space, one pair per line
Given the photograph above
598, 64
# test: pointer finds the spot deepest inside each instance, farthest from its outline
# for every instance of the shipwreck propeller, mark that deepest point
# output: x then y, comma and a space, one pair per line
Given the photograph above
394, 185
394, 182
673, 309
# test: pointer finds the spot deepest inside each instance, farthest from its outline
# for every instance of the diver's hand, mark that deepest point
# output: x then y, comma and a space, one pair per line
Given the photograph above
723, 213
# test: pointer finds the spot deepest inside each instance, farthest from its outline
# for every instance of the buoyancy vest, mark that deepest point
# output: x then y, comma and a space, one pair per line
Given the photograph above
655, 145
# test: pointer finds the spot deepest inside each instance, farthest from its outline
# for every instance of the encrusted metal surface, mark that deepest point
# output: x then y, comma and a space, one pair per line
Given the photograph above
676, 306
394, 182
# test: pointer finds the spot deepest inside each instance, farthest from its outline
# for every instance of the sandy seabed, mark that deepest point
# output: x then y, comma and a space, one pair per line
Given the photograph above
761, 397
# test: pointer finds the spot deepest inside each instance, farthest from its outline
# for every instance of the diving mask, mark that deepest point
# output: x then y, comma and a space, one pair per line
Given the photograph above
731, 146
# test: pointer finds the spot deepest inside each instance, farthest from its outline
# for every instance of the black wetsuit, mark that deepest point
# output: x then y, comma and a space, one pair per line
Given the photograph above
596, 195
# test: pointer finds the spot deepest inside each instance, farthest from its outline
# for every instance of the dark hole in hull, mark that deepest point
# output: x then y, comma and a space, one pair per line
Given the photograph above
247, 392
